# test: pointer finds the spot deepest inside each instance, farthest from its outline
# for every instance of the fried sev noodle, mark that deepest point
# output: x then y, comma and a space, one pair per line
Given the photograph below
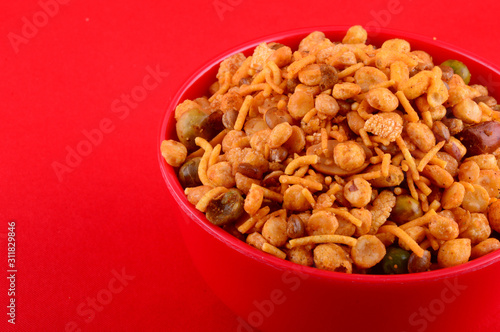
202, 168
270, 249
403, 236
252, 221
316, 239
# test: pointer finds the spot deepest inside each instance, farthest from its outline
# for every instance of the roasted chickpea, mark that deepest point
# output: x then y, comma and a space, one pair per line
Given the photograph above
397, 44
453, 196
173, 152
355, 122
345, 90
494, 216
443, 228
274, 231
296, 142
326, 105
323, 201
346, 227
300, 103
368, 76
454, 252
485, 247
358, 192
253, 125
425, 61
479, 228
394, 179
349, 155
355, 35
196, 193
253, 201
310, 41
322, 223
462, 217
301, 255
468, 111
451, 162
294, 200
258, 142
477, 200
366, 218
439, 176
382, 99
468, 171
310, 75
280, 134
421, 135
231, 101
275, 116
221, 175
231, 139
368, 251
331, 257
490, 180
256, 240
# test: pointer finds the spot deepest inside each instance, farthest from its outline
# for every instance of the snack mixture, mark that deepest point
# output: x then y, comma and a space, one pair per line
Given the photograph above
345, 156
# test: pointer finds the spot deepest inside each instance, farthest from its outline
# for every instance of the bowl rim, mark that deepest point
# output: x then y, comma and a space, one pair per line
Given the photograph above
250, 252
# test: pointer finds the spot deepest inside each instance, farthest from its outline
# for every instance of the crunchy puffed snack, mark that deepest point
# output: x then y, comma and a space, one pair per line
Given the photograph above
345, 156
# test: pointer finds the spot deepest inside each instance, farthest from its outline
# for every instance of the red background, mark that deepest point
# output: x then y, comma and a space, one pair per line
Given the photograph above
110, 212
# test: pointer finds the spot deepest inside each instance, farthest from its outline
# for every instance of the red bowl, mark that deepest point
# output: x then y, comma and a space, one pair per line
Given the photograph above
271, 294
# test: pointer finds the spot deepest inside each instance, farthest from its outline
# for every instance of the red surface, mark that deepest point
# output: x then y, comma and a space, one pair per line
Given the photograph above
109, 212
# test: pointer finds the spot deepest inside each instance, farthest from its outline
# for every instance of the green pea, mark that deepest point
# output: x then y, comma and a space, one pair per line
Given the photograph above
195, 123
406, 209
227, 209
188, 173
459, 68
395, 261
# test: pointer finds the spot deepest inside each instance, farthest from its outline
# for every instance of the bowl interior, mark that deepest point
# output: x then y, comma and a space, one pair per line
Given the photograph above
197, 85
